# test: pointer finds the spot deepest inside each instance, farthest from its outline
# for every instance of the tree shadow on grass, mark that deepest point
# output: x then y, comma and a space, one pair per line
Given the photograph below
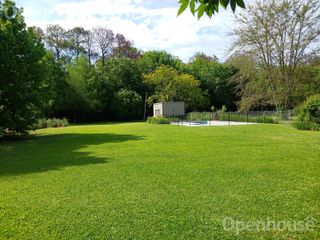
54, 152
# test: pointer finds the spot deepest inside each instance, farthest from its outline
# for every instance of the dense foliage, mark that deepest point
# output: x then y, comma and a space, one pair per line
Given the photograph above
128, 105
21, 73
170, 85
279, 35
309, 114
214, 78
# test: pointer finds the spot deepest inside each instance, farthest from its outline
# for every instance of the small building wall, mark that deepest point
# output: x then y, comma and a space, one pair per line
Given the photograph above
168, 109
157, 110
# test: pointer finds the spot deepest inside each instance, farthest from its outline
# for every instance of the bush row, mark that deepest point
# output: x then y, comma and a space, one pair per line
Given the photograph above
51, 123
160, 120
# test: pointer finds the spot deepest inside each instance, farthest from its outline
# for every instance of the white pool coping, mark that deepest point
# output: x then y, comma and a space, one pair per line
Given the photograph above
210, 123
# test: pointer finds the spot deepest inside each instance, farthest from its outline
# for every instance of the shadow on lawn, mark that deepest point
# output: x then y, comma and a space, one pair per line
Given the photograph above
53, 152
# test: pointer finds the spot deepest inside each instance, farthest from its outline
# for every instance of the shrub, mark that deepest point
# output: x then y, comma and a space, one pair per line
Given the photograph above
42, 123
159, 120
1, 132
309, 114
51, 123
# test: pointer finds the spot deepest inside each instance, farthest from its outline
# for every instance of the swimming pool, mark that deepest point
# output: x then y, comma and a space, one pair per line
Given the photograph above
210, 123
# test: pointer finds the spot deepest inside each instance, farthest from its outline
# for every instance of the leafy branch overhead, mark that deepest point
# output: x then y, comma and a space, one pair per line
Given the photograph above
210, 7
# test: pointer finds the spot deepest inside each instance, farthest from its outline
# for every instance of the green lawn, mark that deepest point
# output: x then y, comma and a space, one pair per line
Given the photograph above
143, 181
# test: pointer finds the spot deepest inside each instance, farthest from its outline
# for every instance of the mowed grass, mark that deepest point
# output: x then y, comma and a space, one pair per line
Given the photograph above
142, 181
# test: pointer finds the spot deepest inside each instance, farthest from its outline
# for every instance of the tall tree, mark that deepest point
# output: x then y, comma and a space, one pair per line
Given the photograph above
124, 48
77, 39
55, 89
117, 74
56, 39
123, 72
214, 78
21, 72
89, 46
104, 38
250, 85
279, 33
81, 100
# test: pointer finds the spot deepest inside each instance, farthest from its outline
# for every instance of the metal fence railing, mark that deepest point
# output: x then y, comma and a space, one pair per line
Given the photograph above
248, 117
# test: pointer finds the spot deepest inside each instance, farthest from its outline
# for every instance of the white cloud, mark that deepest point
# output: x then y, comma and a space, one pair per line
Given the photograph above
155, 27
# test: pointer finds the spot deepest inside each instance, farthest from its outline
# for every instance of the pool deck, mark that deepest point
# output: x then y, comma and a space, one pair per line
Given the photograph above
210, 123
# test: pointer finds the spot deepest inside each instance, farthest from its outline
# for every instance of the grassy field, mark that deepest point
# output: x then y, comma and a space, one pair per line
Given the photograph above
143, 181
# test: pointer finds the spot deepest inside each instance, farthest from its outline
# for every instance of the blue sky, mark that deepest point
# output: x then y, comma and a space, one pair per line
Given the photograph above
151, 24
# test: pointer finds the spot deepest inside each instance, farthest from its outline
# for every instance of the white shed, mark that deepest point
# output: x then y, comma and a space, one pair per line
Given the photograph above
168, 109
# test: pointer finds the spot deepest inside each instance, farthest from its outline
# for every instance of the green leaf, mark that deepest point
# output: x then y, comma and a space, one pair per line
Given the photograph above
201, 10
183, 7
233, 5
224, 3
209, 11
241, 3
192, 6
216, 6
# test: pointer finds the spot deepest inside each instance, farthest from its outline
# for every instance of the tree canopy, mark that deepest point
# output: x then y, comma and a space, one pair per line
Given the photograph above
279, 34
170, 85
21, 72
214, 78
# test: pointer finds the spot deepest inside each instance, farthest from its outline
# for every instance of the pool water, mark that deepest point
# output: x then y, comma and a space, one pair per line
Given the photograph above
209, 123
